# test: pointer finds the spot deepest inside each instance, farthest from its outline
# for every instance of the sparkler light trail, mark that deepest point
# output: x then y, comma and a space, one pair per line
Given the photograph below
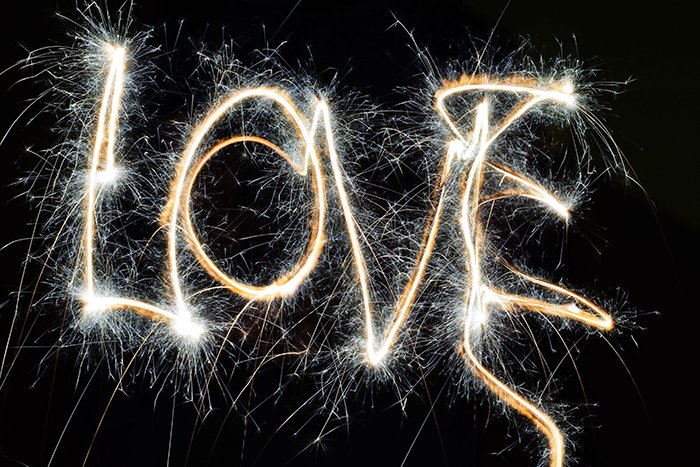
467, 157
481, 295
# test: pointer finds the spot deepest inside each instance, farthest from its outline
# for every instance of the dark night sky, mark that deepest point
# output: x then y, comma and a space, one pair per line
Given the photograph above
644, 244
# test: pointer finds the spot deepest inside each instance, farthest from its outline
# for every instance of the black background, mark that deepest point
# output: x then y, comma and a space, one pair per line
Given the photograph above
645, 412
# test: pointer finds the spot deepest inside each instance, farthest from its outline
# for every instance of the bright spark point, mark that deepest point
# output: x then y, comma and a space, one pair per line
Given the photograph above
94, 305
107, 175
185, 327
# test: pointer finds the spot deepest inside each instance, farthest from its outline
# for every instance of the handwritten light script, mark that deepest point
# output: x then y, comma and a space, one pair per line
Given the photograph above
496, 104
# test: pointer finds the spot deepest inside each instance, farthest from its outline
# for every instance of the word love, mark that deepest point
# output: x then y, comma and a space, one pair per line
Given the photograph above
466, 155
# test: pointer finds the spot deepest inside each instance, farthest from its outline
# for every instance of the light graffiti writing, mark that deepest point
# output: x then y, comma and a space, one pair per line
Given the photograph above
466, 154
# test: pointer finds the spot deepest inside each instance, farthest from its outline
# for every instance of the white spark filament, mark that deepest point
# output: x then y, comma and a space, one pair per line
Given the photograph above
467, 155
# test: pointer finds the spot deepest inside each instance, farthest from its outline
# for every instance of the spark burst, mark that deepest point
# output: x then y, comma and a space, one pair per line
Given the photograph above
472, 136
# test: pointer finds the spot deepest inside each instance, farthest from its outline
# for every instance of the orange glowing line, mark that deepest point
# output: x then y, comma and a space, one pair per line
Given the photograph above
592, 315
533, 190
101, 303
541, 420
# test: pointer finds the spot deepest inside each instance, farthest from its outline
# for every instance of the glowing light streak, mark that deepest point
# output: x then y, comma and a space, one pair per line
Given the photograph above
467, 152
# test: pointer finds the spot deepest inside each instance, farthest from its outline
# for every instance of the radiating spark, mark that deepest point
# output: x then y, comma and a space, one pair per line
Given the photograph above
466, 154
